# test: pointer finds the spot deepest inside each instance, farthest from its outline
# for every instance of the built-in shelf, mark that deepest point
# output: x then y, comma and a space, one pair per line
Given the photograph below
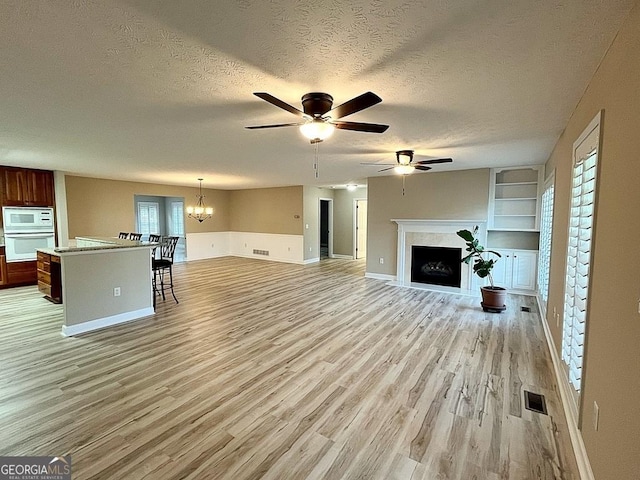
514, 199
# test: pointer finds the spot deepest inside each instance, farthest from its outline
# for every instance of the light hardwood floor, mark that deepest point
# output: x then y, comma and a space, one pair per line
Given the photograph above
276, 371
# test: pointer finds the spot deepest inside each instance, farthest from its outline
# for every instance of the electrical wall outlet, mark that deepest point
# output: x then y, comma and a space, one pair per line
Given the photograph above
116, 291
381, 261
596, 416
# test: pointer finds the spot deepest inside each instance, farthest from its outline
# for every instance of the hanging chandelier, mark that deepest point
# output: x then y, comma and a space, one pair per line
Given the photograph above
200, 212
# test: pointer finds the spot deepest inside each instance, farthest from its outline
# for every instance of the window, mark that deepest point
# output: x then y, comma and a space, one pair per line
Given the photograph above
177, 218
581, 219
148, 218
546, 229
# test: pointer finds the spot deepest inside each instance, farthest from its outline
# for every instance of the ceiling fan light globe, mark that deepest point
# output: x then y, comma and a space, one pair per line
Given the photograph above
404, 159
404, 169
317, 130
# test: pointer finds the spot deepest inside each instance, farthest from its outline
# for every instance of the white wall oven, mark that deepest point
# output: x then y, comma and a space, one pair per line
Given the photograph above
25, 230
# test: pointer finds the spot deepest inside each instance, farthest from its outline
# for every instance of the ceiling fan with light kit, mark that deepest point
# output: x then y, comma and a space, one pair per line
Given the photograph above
405, 165
320, 119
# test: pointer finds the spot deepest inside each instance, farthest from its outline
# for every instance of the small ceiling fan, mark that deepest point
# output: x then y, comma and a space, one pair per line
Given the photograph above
405, 165
319, 119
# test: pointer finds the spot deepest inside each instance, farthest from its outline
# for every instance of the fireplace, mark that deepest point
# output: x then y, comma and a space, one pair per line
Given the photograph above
436, 265
436, 233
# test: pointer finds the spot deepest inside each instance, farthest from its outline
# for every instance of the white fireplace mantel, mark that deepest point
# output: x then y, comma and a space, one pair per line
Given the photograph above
435, 233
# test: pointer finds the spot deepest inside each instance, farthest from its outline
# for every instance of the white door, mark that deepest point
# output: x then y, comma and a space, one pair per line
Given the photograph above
361, 228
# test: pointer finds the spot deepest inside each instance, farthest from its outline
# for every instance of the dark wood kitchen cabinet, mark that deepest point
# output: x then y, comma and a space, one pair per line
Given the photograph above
26, 187
49, 277
3, 267
22, 273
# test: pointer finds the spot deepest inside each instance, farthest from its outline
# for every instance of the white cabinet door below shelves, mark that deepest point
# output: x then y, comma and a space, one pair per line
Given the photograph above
516, 270
524, 270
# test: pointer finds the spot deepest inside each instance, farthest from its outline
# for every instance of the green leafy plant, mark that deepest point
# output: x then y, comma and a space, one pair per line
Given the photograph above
482, 265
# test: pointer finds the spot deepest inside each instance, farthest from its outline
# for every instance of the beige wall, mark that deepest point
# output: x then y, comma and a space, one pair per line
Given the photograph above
612, 352
458, 195
311, 216
343, 221
105, 207
266, 210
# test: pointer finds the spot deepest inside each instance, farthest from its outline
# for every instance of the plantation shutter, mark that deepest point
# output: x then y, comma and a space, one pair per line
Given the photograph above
546, 228
581, 218
148, 218
177, 218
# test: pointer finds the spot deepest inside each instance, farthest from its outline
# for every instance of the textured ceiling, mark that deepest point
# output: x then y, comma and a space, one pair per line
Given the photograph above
159, 91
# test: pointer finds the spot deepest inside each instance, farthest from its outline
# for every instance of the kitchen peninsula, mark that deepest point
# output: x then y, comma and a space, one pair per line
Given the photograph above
105, 282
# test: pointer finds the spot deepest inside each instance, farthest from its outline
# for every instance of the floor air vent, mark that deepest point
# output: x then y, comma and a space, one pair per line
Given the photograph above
535, 402
525, 309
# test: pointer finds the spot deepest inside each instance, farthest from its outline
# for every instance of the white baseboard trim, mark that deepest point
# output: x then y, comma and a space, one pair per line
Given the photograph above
311, 260
265, 258
579, 450
72, 330
345, 257
380, 276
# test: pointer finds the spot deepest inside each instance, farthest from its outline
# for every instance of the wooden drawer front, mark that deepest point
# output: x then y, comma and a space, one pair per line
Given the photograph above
44, 262
22, 273
44, 288
44, 266
44, 277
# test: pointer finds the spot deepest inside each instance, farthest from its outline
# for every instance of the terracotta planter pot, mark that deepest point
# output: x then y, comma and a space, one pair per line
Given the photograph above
494, 298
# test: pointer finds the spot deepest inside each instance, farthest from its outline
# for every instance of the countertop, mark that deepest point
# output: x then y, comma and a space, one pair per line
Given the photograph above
87, 244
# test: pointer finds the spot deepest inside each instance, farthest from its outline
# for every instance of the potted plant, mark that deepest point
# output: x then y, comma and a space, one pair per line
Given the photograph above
493, 298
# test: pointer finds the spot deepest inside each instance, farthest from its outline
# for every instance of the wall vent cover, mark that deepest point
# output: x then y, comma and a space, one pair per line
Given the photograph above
535, 402
525, 309
261, 252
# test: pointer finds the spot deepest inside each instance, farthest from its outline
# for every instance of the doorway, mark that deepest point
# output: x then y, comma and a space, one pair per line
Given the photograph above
361, 229
326, 228
162, 216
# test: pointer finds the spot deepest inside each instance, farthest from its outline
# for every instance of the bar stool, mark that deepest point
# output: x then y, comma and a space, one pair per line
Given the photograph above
161, 265
123, 235
135, 236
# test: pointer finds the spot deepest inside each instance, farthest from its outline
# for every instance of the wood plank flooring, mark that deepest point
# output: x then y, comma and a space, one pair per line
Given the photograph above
276, 371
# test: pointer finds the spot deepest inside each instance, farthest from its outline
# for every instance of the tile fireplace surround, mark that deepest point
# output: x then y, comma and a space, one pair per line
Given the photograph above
436, 233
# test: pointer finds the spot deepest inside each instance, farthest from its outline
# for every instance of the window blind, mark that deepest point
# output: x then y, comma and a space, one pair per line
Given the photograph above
578, 264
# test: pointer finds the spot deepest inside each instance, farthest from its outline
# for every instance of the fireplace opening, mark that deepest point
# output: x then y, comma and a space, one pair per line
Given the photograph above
436, 265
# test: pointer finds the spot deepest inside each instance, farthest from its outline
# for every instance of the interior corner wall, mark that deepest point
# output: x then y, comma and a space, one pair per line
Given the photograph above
612, 348
103, 207
455, 195
267, 210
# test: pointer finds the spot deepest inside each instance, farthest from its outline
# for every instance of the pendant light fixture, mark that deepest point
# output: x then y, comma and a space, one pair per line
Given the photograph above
200, 212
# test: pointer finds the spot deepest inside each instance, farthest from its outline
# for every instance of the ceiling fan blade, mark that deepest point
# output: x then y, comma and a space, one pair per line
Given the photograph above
378, 164
267, 97
354, 105
422, 167
385, 169
255, 127
434, 160
361, 127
